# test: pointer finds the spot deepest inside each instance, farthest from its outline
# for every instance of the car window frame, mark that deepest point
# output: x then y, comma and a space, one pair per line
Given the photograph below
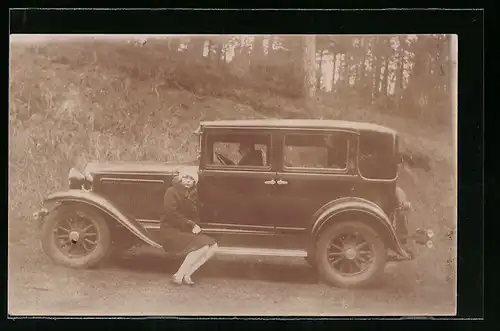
308, 170
247, 132
395, 148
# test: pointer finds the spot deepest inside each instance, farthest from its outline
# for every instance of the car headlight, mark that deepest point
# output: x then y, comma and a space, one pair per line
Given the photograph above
78, 180
75, 175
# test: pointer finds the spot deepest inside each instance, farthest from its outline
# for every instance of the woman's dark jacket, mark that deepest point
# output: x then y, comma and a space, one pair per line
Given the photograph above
179, 209
177, 222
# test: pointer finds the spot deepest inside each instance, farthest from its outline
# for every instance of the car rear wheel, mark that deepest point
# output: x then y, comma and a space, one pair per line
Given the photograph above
350, 254
76, 236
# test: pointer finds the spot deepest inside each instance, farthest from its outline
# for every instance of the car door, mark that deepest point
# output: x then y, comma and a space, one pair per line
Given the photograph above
231, 195
315, 168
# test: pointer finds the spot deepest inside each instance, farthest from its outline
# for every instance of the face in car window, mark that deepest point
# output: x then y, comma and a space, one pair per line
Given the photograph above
244, 151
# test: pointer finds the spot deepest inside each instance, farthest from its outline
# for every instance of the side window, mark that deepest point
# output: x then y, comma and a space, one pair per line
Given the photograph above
238, 150
316, 151
378, 157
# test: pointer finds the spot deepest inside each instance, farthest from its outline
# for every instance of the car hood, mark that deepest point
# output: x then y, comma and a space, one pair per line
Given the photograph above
93, 168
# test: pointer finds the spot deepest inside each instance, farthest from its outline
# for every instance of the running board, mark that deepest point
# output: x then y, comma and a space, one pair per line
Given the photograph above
261, 252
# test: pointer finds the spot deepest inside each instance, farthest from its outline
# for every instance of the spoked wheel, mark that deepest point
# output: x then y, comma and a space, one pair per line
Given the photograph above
350, 254
76, 236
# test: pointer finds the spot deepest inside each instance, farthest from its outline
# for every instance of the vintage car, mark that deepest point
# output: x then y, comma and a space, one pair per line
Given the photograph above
324, 190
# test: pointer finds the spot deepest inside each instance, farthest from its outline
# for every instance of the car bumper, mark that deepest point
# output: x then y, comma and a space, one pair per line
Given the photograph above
408, 241
420, 236
40, 215
423, 237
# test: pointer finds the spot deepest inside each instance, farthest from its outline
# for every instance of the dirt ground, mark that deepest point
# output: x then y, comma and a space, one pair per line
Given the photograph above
138, 284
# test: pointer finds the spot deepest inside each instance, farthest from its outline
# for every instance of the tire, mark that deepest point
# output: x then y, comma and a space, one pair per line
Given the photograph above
341, 272
92, 240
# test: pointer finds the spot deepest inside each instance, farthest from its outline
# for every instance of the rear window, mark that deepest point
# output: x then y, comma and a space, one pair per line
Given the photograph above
378, 156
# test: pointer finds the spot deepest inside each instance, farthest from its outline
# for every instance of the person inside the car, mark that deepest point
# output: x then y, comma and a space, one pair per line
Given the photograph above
250, 155
337, 153
180, 235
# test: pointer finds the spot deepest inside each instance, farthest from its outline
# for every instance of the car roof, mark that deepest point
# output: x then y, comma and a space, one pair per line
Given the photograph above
299, 124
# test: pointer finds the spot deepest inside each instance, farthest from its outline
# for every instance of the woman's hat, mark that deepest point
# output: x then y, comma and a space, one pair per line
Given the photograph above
188, 173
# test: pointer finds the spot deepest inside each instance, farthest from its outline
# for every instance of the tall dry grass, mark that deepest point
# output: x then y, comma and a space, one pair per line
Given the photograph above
71, 103
60, 118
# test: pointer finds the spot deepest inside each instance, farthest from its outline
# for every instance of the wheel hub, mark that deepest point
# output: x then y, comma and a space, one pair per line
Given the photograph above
350, 253
74, 236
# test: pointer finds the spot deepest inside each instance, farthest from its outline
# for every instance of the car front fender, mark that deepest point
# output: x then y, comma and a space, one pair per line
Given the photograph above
104, 205
334, 210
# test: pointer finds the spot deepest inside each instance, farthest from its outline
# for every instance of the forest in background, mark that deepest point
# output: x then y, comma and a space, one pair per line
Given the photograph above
407, 75
404, 75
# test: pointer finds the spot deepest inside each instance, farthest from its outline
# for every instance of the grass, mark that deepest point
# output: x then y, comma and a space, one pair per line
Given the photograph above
70, 104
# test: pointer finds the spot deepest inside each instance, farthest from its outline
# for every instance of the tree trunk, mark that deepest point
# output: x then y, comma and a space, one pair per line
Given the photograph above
398, 88
347, 68
341, 69
196, 47
385, 79
295, 60
362, 79
417, 82
173, 44
362, 66
376, 79
238, 50
376, 69
320, 70
334, 69
257, 50
218, 53
309, 65
210, 49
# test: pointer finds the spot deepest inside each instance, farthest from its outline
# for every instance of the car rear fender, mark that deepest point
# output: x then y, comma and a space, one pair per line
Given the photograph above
102, 204
337, 210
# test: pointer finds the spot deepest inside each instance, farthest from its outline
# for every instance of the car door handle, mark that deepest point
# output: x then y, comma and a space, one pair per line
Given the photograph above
282, 182
270, 182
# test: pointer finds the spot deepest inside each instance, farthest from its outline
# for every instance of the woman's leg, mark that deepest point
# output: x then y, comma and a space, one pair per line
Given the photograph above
202, 259
191, 258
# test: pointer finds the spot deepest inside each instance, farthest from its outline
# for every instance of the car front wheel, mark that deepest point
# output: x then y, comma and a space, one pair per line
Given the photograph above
76, 236
350, 254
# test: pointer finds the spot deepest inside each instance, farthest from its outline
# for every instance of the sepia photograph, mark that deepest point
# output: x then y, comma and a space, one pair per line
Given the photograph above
232, 175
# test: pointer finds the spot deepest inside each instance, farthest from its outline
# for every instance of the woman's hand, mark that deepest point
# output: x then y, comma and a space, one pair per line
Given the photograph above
196, 229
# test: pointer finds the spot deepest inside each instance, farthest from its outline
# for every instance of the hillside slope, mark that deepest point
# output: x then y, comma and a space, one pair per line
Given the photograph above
71, 103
